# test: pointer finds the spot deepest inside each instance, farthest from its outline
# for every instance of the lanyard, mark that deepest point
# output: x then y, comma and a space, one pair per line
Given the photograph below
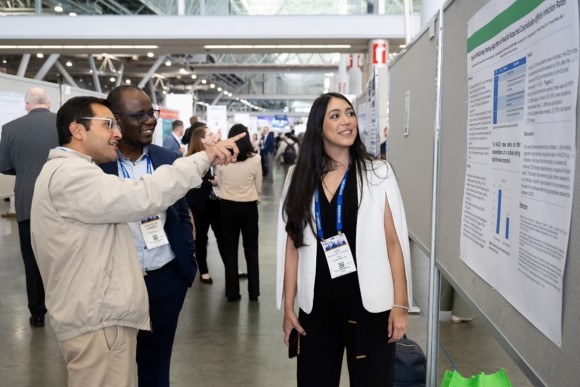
126, 172
317, 212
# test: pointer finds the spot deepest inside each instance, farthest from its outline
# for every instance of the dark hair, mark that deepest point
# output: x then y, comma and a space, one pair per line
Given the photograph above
311, 165
244, 144
176, 123
115, 97
70, 111
195, 144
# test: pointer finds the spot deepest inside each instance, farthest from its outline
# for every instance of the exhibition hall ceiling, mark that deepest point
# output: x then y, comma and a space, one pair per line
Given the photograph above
258, 66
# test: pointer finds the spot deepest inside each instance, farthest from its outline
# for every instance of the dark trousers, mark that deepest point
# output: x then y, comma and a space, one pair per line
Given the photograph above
166, 288
34, 286
328, 332
210, 216
241, 217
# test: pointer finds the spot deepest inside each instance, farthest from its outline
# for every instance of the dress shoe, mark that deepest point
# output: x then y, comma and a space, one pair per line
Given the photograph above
207, 280
254, 298
234, 298
242, 275
37, 321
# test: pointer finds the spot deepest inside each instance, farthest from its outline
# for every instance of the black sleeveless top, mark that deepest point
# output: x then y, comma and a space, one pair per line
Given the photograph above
344, 289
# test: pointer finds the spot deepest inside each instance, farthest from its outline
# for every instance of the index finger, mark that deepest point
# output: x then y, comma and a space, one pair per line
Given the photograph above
237, 137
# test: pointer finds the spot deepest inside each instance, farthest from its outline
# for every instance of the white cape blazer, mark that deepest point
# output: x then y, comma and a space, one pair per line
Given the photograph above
373, 268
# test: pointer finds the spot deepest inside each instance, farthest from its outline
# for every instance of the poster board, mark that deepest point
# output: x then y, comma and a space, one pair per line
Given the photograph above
543, 362
529, 348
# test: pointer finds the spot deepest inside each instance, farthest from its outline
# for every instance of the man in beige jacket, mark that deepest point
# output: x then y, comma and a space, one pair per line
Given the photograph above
95, 293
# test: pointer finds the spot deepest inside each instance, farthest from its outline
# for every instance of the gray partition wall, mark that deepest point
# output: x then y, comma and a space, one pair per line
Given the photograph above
541, 360
412, 156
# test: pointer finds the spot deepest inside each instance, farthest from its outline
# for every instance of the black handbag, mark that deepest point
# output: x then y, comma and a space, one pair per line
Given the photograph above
410, 364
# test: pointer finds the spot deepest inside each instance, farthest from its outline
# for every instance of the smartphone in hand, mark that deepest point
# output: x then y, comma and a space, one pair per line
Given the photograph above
294, 344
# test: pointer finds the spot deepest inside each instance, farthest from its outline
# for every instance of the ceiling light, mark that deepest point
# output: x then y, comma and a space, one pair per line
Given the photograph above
219, 89
40, 55
150, 55
275, 46
72, 14
128, 81
193, 76
112, 79
183, 71
58, 8
4, 61
69, 64
212, 86
203, 81
168, 63
76, 47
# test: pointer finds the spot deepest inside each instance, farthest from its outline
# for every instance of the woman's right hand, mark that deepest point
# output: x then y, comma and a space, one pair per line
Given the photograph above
291, 322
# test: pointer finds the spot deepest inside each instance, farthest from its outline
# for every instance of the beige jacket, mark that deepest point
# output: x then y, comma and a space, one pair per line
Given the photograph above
241, 181
83, 245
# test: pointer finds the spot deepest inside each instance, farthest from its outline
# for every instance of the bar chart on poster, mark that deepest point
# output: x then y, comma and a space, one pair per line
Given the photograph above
503, 205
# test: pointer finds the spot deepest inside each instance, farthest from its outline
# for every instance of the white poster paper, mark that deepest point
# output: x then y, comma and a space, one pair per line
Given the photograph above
522, 67
217, 119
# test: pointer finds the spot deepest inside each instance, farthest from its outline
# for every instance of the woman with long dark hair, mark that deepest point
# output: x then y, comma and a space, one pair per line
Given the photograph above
343, 253
240, 189
203, 202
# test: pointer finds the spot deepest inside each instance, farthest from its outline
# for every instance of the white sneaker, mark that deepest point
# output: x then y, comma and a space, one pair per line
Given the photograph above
459, 320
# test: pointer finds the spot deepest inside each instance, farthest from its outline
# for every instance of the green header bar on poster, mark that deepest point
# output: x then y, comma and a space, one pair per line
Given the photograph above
512, 14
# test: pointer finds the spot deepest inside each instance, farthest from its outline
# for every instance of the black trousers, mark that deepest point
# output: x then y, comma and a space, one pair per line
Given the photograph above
329, 330
210, 216
241, 217
34, 285
166, 289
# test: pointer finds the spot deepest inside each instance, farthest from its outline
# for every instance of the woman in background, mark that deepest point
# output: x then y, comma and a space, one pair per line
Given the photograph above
343, 253
203, 202
240, 189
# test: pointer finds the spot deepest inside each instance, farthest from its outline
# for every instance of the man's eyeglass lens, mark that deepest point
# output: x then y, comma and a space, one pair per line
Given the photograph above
111, 123
142, 117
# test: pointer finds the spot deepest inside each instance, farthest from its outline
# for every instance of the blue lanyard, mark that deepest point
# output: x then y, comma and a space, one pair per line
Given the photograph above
126, 172
317, 212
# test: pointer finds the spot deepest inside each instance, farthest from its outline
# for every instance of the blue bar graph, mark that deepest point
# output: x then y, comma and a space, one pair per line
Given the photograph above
498, 211
507, 228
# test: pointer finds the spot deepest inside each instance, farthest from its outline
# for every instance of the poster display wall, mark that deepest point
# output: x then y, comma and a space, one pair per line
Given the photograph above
522, 66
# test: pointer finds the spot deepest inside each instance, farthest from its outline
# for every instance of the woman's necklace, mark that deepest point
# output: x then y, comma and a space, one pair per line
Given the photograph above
331, 181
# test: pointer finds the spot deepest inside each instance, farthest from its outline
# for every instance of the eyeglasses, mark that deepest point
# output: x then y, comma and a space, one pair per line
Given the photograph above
110, 123
142, 117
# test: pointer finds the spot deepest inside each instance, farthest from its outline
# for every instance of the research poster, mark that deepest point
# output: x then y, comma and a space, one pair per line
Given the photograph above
217, 119
522, 68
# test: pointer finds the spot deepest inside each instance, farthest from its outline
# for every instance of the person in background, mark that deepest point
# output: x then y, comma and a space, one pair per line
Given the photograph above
287, 150
453, 307
343, 253
256, 143
204, 203
172, 141
95, 292
240, 190
383, 147
24, 148
267, 154
187, 134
